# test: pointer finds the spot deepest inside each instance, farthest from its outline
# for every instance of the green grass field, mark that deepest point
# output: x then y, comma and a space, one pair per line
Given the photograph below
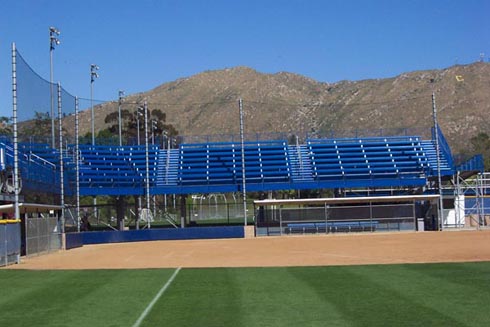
377, 295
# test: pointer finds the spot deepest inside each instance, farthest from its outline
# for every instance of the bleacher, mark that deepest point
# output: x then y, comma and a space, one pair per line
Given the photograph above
42, 150
368, 158
116, 167
221, 163
394, 161
37, 173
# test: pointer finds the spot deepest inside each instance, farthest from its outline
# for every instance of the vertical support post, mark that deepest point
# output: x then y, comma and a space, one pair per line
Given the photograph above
138, 127
479, 200
62, 182
280, 219
183, 198
93, 75
3, 229
77, 162
415, 221
457, 202
53, 41
14, 122
326, 218
92, 114
147, 162
244, 189
121, 94
439, 180
371, 215
51, 85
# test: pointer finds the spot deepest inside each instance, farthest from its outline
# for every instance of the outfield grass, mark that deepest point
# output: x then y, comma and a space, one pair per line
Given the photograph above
377, 295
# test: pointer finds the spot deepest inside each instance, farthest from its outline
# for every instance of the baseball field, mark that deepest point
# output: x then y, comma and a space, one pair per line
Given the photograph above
398, 279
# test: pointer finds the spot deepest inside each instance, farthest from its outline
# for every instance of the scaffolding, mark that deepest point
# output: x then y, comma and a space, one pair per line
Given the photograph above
472, 201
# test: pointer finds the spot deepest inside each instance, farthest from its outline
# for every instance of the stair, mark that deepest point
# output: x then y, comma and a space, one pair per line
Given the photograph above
430, 152
168, 167
300, 162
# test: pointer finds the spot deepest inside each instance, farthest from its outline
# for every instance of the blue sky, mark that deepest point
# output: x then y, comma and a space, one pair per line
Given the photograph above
141, 44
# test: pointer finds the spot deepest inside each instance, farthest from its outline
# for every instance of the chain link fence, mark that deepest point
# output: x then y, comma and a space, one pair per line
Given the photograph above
43, 235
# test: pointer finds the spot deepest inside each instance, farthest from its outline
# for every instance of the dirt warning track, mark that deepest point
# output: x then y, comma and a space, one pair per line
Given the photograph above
315, 250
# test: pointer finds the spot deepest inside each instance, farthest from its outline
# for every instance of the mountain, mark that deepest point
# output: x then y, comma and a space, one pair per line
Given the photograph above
206, 103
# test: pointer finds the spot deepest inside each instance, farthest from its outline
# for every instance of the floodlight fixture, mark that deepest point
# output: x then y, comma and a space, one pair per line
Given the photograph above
93, 72
53, 40
54, 30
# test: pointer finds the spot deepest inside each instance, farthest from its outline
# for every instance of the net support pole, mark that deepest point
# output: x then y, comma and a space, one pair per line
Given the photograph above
147, 163
51, 95
438, 154
242, 140
62, 182
14, 122
121, 94
77, 162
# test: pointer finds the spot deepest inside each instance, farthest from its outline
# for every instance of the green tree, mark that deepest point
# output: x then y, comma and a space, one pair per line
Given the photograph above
37, 129
5, 126
129, 120
480, 144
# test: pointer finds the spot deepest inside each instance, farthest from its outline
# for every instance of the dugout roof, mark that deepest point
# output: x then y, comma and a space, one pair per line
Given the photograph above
367, 199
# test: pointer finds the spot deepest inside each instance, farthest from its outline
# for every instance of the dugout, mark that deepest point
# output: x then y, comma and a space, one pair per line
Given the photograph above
353, 214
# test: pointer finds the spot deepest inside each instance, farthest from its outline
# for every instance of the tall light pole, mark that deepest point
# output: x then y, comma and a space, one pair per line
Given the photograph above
93, 75
121, 96
53, 42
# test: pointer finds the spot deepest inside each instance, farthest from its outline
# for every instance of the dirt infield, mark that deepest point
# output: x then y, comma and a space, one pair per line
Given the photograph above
317, 250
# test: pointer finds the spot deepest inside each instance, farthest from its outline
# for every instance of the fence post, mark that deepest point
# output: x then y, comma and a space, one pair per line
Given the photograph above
5, 260
228, 212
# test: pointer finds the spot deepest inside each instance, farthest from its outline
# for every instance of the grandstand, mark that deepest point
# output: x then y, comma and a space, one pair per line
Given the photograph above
393, 161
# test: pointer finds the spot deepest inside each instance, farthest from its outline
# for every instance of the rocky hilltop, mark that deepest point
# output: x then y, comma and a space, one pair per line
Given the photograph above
206, 103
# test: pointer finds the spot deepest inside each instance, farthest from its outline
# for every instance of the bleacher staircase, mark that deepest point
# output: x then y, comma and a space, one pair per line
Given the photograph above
300, 162
168, 167
429, 149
